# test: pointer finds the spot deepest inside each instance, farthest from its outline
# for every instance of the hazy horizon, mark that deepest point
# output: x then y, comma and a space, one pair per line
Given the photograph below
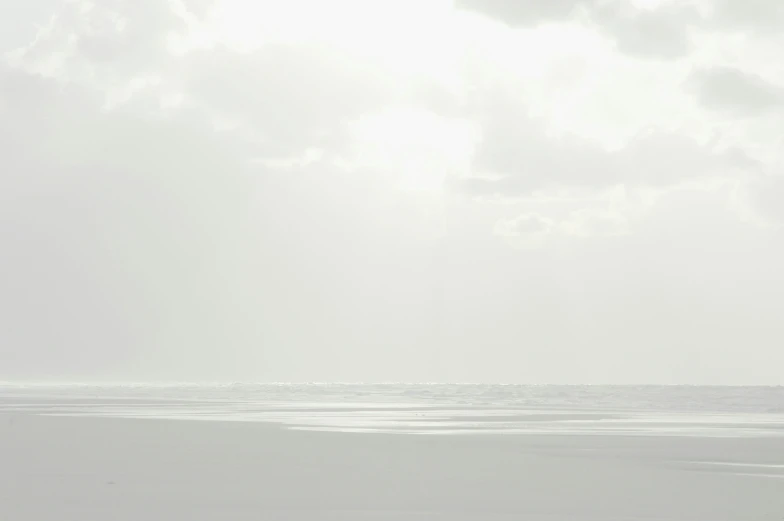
496, 191
239, 383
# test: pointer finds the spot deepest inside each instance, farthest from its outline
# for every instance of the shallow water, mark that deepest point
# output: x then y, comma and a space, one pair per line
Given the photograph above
426, 408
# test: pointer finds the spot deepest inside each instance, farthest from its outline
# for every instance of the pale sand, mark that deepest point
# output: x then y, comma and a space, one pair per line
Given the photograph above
104, 469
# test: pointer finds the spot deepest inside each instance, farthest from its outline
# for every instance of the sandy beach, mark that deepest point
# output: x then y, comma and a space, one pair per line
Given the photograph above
96, 469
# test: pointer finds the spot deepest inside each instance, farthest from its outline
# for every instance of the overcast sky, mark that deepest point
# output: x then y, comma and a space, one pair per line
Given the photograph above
565, 191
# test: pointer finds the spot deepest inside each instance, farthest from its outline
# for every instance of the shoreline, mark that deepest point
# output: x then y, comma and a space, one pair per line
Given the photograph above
90, 469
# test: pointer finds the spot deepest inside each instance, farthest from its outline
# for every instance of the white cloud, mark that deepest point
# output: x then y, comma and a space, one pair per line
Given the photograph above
661, 30
532, 230
416, 147
730, 89
247, 185
529, 13
644, 29
596, 223
759, 200
528, 230
520, 158
749, 15
292, 97
525, 225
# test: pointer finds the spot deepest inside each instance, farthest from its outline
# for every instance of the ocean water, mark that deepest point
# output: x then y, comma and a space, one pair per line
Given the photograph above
425, 408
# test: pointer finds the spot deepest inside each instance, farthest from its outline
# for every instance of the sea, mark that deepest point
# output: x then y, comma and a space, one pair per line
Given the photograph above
423, 408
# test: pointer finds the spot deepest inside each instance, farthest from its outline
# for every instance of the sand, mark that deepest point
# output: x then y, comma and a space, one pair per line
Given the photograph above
101, 469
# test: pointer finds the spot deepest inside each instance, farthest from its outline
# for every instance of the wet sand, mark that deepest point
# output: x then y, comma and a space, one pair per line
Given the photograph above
98, 469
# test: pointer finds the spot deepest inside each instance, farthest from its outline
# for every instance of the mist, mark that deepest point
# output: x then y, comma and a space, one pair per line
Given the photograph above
419, 192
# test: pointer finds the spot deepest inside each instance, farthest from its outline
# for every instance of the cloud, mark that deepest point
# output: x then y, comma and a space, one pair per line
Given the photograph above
533, 230
595, 222
748, 15
524, 225
415, 147
106, 42
528, 230
737, 91
288, 96
665, 159
641, 29
123, 232
522, 13
291, 96
759, 199
663, 32
19, 25
517, 156
176, 202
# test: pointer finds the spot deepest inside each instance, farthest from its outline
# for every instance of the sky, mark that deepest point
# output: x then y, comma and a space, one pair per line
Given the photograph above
550, 191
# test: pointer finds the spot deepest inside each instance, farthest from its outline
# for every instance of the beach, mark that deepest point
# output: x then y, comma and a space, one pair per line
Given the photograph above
70, 468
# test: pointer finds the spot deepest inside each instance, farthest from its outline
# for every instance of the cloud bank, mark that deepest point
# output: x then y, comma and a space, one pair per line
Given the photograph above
478, 190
